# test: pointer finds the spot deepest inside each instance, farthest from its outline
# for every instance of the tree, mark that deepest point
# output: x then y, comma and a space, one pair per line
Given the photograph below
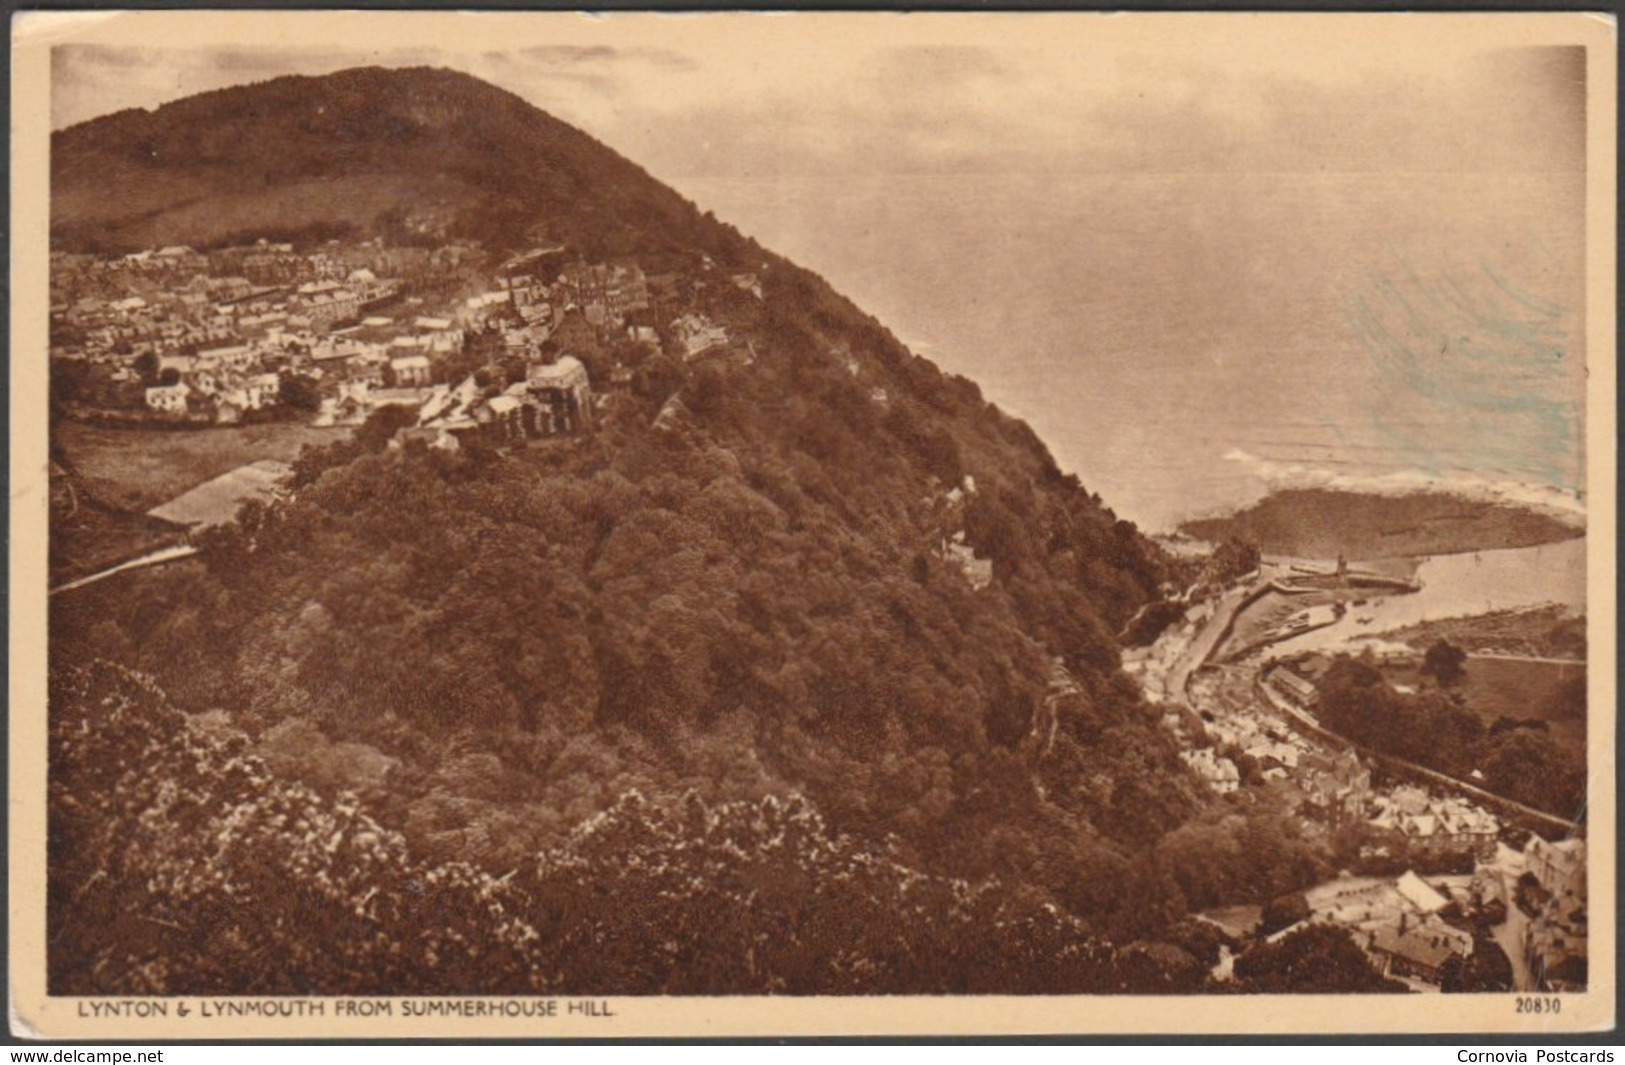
381, 426
1247, 767
1231, 559
1151, 622
1445, 663
300, 392
1487, 968
1318, 959
657, 379
1528, 766
146, 364
1283, 912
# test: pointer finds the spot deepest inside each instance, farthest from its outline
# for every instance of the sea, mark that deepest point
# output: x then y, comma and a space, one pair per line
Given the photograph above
1184, 342
1463, 585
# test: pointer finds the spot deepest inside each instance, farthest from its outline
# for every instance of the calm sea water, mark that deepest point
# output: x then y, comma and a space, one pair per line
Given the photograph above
1184, 341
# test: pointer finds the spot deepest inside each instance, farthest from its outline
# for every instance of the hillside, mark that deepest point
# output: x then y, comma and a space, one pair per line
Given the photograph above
374, 918
410, 154
1321, 523
736, 593
89, 534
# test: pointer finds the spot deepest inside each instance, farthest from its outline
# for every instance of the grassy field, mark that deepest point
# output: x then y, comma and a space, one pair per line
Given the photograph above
140, 468
1526, 689
1497, 687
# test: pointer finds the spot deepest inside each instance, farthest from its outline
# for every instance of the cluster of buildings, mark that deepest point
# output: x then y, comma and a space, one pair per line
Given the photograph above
605, 293
1217, 771
175, 335
1332, 784
1554, 938
177, 299
1233, 723
698, 335
1432, 824
1153, 666
962, 556
553, 399
186, 336
1401, 922
1410, 927
1416, 941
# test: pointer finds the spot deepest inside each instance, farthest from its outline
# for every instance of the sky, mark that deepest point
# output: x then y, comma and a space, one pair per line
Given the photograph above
1042, 94
1158, 238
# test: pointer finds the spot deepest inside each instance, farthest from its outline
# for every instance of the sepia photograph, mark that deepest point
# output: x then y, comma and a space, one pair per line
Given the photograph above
549, 524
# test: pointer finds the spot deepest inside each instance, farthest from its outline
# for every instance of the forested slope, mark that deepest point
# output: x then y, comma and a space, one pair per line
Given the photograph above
459, 669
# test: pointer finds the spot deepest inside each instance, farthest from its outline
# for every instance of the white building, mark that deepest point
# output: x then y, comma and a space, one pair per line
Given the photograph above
168, 399
411, 371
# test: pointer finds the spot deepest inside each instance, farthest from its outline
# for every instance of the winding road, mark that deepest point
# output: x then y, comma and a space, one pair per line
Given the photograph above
1201, 649
173, 553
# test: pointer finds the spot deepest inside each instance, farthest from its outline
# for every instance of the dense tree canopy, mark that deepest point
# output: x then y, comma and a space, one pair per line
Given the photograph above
1317, 959
195, 869
1436, 729
752, 600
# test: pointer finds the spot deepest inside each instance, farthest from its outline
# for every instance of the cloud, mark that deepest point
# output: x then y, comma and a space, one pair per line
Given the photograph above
94, 55
601, 53
938, 65
92, 79
1034, 102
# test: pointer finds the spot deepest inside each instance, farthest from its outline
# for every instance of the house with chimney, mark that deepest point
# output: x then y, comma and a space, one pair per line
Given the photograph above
698, 335
1337, 786
1419, 951
1556, 939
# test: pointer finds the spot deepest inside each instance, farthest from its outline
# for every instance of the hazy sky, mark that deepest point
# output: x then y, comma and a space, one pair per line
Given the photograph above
912, 94
1202, 255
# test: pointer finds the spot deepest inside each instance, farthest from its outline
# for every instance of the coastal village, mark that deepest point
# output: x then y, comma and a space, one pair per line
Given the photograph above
1244, 719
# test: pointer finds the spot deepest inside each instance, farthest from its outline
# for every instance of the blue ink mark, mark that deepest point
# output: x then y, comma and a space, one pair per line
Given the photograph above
1476, 374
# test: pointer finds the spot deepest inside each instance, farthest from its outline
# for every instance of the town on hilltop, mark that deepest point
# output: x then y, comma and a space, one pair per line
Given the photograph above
532, 349
452, 349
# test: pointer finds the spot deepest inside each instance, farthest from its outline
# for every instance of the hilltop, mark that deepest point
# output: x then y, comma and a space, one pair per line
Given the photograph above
1322, 523
418, 155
